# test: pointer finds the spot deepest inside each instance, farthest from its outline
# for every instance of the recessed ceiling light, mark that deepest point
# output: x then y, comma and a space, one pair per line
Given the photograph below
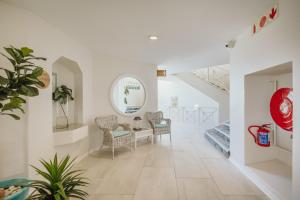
153, 37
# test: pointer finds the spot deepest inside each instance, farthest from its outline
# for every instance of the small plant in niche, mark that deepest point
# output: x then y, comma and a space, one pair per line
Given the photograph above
22, 80
126, 92
61, 95
61, 181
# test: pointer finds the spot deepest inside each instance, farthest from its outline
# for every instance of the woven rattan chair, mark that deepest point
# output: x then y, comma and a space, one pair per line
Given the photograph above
158, 123
115, 134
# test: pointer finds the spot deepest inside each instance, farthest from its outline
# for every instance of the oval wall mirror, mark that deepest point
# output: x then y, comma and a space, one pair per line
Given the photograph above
128, 95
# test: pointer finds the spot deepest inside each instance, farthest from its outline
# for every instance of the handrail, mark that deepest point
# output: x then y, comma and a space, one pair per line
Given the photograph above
215, 75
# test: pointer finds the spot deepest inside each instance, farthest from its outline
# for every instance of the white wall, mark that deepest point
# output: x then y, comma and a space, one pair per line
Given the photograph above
105, 71
13, 146
187, 95
30, 139
278, 43
189, 99
213, 92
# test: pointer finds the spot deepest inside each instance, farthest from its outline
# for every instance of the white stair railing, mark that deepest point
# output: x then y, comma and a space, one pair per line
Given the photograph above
198, 116
215, 75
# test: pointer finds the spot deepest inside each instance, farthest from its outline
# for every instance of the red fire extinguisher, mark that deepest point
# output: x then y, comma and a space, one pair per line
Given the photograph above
261, 137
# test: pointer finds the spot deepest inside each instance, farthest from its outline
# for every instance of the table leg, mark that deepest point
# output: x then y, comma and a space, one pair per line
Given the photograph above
151, 139
131, 143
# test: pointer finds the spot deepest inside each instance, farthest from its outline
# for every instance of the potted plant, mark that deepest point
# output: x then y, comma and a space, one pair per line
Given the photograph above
61, 95
22, 79
61, 181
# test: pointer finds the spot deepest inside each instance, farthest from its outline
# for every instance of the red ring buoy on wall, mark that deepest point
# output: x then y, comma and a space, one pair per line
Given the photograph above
281, 108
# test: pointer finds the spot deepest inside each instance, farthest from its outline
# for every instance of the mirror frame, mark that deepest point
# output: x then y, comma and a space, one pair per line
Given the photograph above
112, 95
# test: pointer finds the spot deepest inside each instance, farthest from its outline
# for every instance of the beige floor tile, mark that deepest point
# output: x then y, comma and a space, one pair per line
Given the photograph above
198, 189
92, 187
186, 146
157, 184
142, 151
180, 189
106, 153
96, 169
188, 166
122, 178
229, 180
110, 197
277, 174
206, 150
245, 197
159, 157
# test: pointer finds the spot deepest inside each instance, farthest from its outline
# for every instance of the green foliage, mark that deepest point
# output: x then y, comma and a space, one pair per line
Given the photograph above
61, 182
126, 90
20, 81
61, 94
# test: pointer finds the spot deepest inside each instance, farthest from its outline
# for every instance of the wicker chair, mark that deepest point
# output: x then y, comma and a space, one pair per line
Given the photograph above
159, 125
115, 134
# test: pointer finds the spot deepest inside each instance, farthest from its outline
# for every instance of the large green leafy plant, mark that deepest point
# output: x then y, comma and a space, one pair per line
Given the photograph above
61, 181
61, 95
19, 80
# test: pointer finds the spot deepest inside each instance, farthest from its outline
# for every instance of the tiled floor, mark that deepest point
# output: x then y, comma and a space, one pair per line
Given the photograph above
277, 174
188, 169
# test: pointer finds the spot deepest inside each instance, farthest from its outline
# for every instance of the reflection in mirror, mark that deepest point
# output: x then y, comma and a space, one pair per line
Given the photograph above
128, 95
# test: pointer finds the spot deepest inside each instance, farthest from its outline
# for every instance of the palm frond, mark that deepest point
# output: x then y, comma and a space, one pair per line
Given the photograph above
60, 181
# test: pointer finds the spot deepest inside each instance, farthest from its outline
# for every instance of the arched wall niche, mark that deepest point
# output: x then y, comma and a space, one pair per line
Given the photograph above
67, 72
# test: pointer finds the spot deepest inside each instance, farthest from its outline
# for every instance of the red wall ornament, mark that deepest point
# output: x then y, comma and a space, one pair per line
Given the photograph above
264, 20
281, 108
273, 13
254, 28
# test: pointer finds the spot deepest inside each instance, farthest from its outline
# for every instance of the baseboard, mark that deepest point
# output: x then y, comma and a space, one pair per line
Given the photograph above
91, 151
80, 158
261, 184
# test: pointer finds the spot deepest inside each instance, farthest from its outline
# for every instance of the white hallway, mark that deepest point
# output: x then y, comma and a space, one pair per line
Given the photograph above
187, 39
189, 168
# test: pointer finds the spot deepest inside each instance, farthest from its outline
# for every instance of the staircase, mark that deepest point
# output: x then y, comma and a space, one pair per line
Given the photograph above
214, 82
220, 137
220, 93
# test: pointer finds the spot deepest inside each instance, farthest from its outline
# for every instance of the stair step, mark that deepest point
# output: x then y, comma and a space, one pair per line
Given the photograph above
219, 139
223, 129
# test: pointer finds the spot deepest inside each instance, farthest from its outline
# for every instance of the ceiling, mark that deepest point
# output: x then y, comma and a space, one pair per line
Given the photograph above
192, 33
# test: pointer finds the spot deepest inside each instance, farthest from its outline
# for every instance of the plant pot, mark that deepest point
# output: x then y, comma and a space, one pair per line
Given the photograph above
19, 195
62, 120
